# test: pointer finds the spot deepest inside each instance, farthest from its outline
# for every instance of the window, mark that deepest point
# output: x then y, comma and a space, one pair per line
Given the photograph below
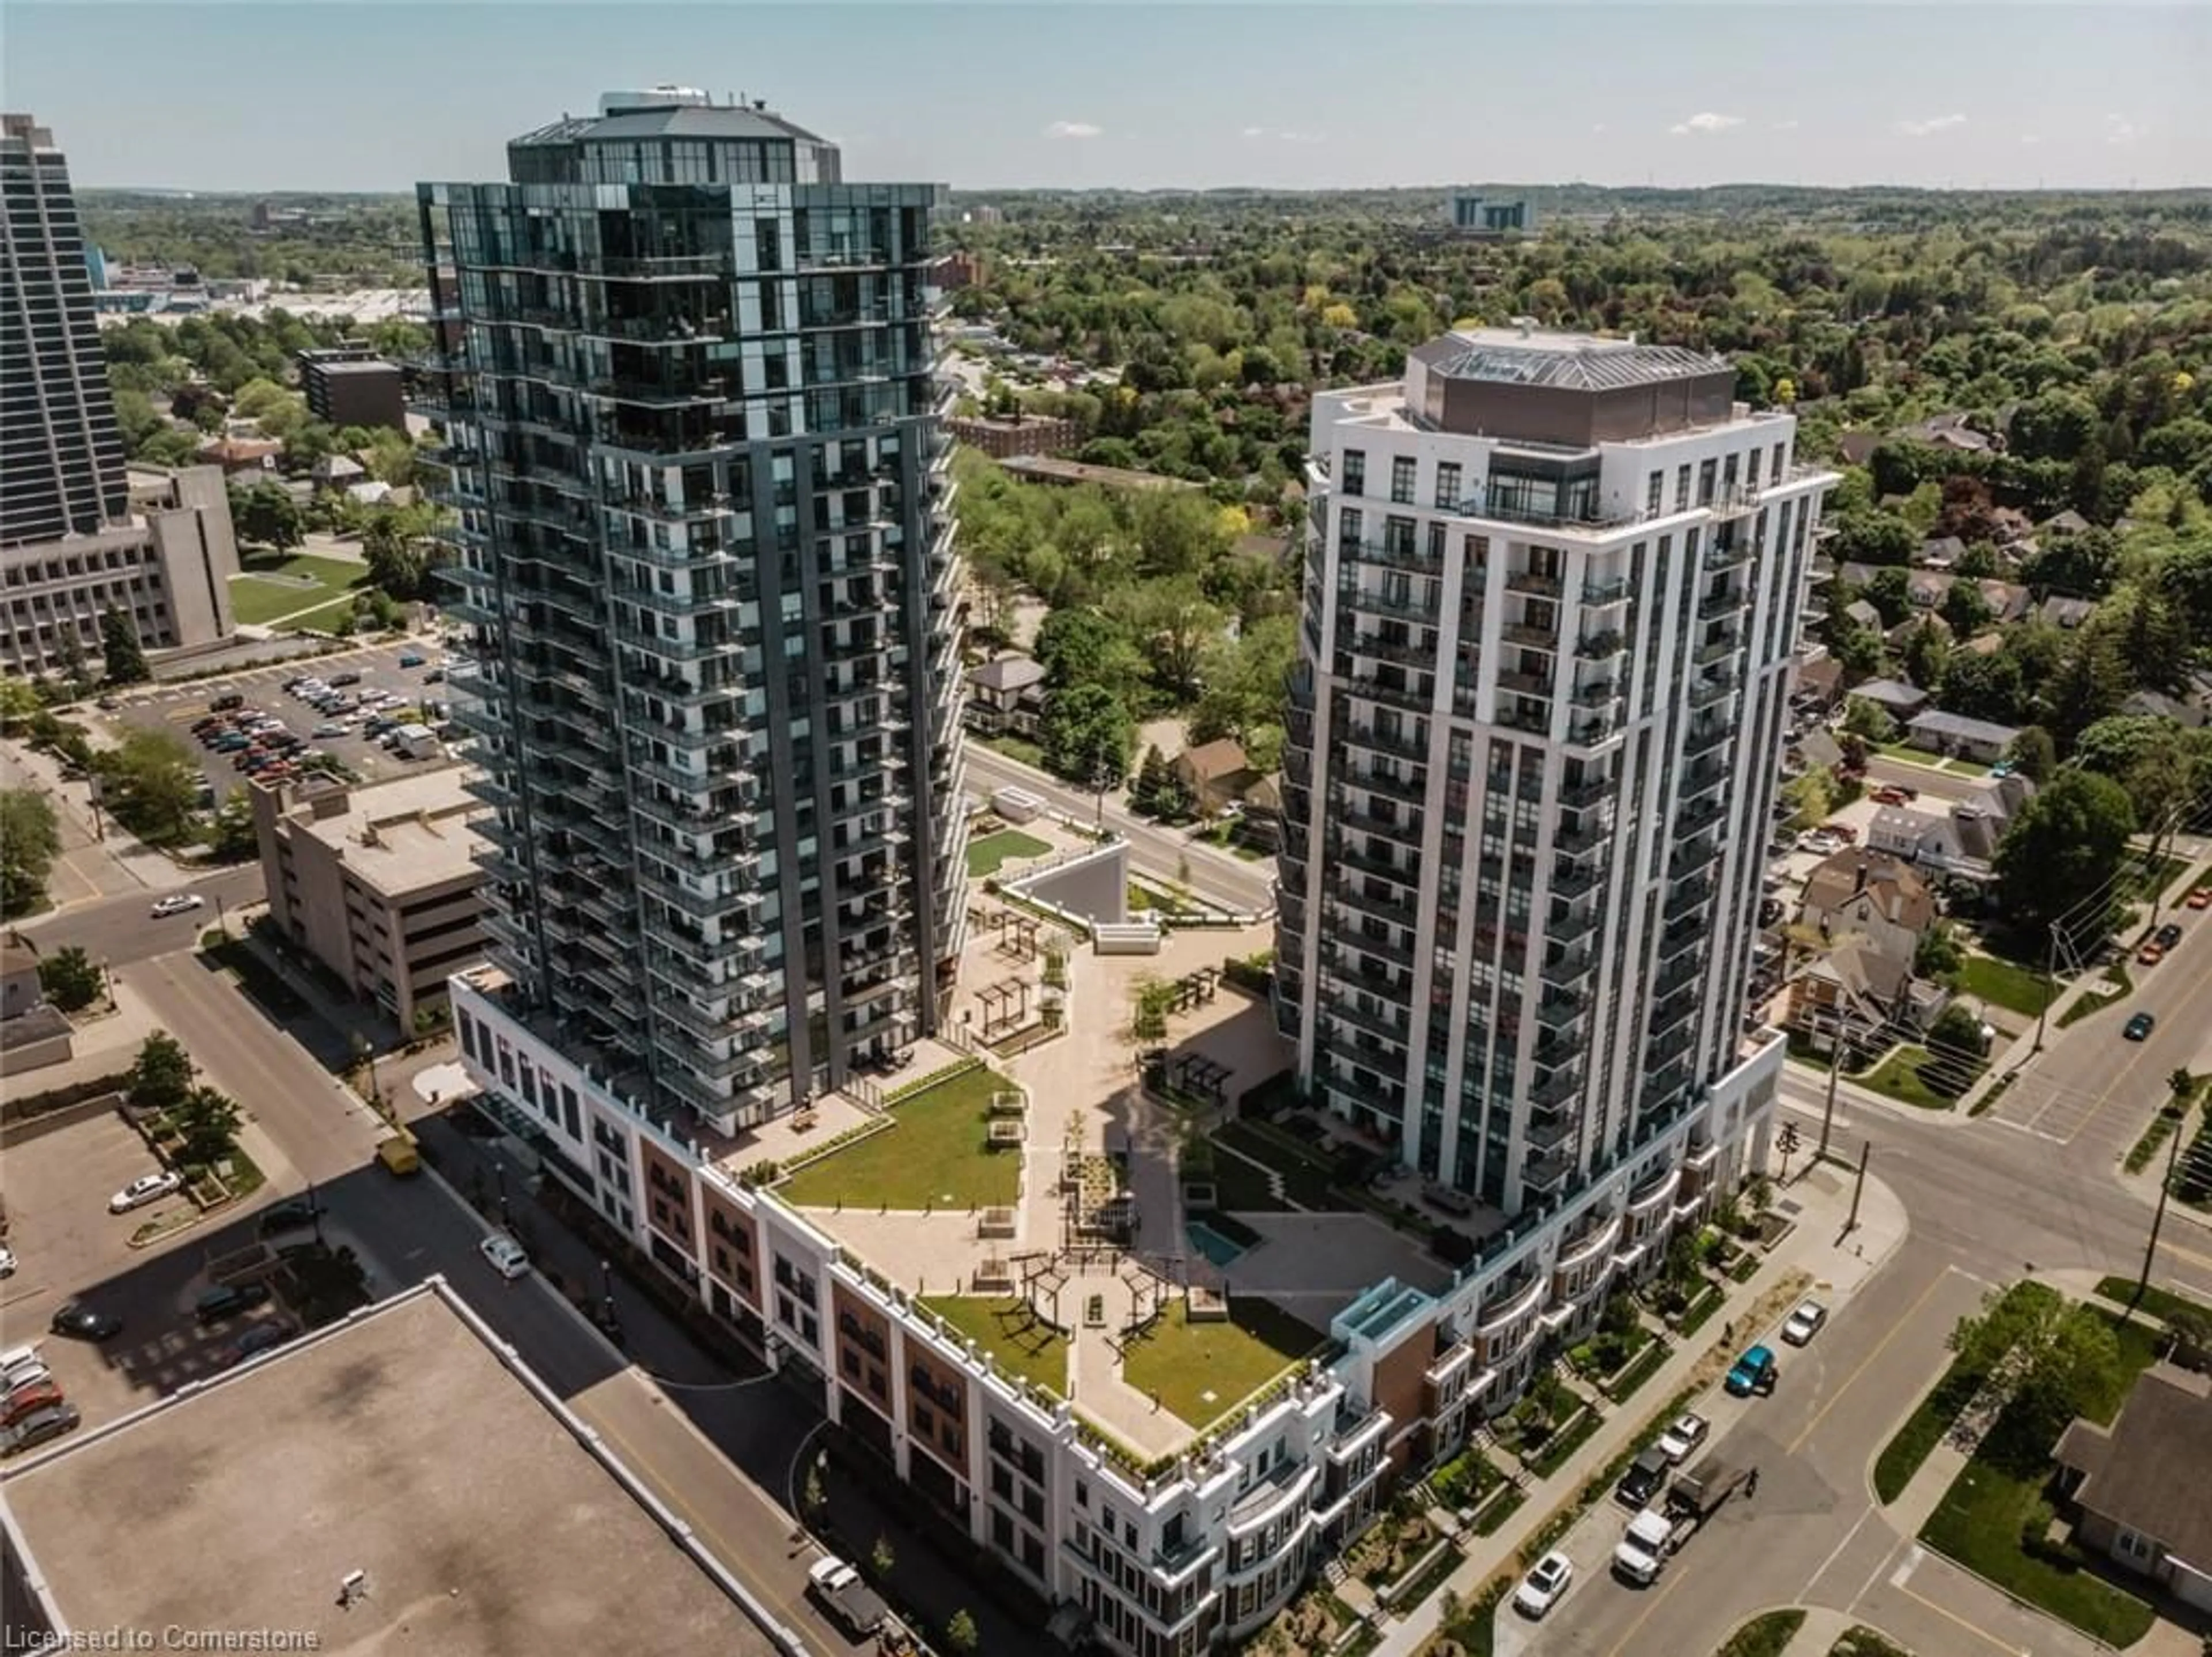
1655, 494
1355, 472
1706, 475
1404, 474
1681, 489
1751, 472
1447, 484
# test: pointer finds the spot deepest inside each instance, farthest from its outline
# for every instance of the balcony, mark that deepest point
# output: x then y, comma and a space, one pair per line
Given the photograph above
1525, 684
1547, 1175
1534, 638
1558, 1012
1406, 554
1532, 584
1406, 746
1519, 1300
1718, 650
1599, 595
1409, 697
1717, 605
1703, 739
1593, 1242
1547, 1134
1408, 653
1600, 647
1714, 687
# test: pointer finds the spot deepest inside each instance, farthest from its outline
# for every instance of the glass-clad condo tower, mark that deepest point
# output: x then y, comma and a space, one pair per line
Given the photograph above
700, 507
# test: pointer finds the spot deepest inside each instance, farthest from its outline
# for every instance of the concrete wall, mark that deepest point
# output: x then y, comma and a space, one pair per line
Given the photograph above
1094, 885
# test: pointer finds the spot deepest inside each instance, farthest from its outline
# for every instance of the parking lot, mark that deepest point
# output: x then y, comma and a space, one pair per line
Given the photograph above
175, 708
67, 1244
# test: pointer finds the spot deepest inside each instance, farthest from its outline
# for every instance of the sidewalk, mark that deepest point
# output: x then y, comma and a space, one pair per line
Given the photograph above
124, 864
1822, 1629
1836, 1266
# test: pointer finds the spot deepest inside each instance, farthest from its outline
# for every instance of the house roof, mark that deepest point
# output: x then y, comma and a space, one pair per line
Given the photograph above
1865, 972
1895, 889
1826, 675
1223, 756
1266, 795
2067, 612
2069, 522
17, 955
2157, 704
1007, 673
1893, 693
1938, 723
1864, 613
1819, 748
2150, 1470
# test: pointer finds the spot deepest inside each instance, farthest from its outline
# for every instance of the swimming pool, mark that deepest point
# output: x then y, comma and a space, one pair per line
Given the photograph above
1210, 1243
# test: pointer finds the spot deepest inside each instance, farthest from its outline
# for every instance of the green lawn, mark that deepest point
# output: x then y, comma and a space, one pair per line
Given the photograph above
1899, 1076
2113, 986
1860, 1641
1767, 1634
987, 856
318, 582
1945, 1402
1015, 747
1995, 1501
1308, 1175
2161, 1303
1202, 1371
1006, 1328
2004, 985
932, 1156
2147, 879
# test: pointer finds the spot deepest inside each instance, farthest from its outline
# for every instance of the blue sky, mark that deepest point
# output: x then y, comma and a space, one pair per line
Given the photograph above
309, 94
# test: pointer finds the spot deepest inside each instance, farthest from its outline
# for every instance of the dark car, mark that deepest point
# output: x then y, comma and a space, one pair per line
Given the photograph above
49, 1423
287, 1216
224, 704
259, 1338
2139, 1028
229, 1301
80, 1322
1643, 1479
2168, 935
345, 679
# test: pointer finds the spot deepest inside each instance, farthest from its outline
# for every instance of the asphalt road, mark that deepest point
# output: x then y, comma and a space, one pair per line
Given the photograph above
1227, 879
121, 930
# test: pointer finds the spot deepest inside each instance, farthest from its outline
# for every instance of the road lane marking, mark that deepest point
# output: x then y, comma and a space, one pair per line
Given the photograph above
1674, 1581
1895, 1330
1974, 1628
1806, 1592
1880, 1565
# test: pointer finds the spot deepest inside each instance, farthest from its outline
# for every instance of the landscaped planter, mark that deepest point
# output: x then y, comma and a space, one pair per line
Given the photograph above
1426, 1576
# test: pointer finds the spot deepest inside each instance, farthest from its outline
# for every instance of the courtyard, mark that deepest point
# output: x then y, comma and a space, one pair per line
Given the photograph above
935, 1153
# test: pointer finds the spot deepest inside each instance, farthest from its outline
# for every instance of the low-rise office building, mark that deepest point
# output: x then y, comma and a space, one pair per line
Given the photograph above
352, 386
379, 884
167, 564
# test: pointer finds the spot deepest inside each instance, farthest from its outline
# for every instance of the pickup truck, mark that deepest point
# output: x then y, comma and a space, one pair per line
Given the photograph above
845, 1596
1698, 1493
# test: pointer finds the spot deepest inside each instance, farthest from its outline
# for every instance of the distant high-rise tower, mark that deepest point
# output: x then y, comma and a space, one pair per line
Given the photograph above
1555, 584
1472, 213
61, 455
705, 548
80, 538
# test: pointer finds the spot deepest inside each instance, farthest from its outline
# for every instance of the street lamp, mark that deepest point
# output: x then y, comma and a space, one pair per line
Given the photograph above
612, 1319
498, 1179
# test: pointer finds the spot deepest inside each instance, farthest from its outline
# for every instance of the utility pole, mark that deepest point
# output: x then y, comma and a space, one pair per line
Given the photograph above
2050, 989
2158, 1215
1828, 1108
1858, 1187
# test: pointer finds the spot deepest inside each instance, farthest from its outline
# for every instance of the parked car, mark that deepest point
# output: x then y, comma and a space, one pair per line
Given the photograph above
49, 1423
7, 1262
1546, 1582
261, 1337
178, 903
2199, 898
331, 728
28, 1399
228, 1301
412, 658
146, 1188
225, 703
1643, 1479
2167, 936
81, 1323
339, 679
1686, 1434
2139, 1028
505, 1255
2150, 954
1822, 841
291, 1215
436, 676
1804, 1323
1755, 1372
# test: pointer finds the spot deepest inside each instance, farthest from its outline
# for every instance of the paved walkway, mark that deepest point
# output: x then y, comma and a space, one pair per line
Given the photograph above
98, 859
1814, 1254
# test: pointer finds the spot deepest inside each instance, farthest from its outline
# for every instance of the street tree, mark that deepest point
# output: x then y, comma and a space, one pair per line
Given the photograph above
151, 785
19, 701
1086, 734
1955, 1048
70, 978
267, 514
2060, 857
161, 1074
1939, 953
208, 1121
119, 647
30, 840
960, 1633
232, 838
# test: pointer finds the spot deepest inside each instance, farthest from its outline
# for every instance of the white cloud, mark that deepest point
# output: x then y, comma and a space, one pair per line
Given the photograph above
1074, 130
1785, 126
1600, 127
1706, 121
2118, 129
1934, 124
1256, 131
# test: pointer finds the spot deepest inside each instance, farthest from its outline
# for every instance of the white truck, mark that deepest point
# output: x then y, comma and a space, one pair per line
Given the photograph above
1644, 1546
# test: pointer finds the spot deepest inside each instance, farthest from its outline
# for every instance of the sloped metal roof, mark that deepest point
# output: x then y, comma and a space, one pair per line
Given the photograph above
1567, 361
671, 121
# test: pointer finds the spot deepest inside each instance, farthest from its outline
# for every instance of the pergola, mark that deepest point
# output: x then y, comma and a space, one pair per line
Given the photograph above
1005, 1004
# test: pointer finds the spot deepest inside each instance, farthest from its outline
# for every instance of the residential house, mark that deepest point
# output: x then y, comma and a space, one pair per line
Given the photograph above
239, 456
33, 1033
2066, 613
2188, 712
337, 470
1005, 697
1941, 552
1858, 446
1818, 750
19, 977
2069, 522
1865, 996
1872, 895
1983, 645
1926, 588
1892, 696
1954, 734
1864, 613
1963, 841
1950, 431
2008, 600
2136, 1490
1818, 684
1261, 825
1216, 773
